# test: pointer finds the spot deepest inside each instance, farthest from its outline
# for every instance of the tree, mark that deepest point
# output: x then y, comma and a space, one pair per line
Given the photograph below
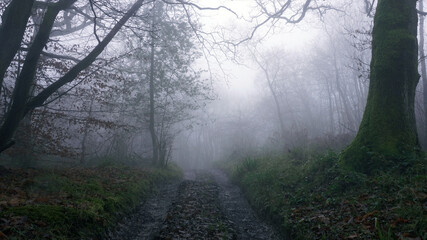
175, 87
271, 75
423, 67
164, 86
152, 86
14, 24
388, 129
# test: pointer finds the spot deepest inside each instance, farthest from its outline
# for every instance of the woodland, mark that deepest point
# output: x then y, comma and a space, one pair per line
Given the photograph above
196, 119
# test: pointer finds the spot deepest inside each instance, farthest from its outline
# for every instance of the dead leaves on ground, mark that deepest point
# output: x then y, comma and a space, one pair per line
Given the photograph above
196, 214
352, 219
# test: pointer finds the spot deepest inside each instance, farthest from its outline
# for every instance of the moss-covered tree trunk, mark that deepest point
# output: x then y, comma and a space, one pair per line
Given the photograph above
388, 131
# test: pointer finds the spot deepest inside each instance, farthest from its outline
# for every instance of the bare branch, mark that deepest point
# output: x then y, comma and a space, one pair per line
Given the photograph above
83, 64
53, 55
183, 2
369, 7
279, 14
94, 21
422, 13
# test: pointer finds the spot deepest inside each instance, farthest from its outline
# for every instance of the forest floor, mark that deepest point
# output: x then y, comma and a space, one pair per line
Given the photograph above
206, 205
73, 203
305, 197
311, 197
116, 202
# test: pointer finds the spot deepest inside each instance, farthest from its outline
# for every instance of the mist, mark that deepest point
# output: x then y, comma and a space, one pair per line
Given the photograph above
199, 90
223, 85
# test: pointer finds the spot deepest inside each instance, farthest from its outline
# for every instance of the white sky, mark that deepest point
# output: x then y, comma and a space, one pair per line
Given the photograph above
240, 84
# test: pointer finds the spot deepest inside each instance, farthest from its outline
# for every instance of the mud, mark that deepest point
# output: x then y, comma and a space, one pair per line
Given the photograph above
206, 205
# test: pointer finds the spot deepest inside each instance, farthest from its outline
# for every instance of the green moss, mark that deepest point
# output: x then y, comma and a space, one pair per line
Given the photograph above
388, 131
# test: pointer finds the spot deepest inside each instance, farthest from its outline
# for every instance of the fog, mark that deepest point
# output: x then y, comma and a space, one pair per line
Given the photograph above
198, 82
202, 119
294, 86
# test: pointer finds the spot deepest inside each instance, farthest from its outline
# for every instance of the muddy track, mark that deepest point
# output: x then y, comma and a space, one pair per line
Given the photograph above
204, 206
196, 214
145, 221
237, 209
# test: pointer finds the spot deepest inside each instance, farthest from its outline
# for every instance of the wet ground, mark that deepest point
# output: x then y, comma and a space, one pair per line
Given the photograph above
145, 221
206, 205
237, 209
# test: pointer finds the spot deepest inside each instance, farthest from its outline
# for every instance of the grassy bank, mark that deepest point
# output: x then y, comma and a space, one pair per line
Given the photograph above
310, 197
78, 203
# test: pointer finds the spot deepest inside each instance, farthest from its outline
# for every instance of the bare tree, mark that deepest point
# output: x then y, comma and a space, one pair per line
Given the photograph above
272, 73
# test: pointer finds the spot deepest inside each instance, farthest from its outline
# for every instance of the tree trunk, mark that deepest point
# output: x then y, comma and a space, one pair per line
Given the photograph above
388, 130
331, 110
275, 97
24, 135
86, 132
152, 127
423, 68
14, 19
25, 79
349, 124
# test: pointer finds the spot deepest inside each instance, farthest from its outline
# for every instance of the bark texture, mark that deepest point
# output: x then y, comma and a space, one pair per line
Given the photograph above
15, 19
388, 130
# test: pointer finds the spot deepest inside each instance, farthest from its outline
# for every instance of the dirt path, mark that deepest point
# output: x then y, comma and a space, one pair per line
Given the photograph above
204, 206
196, 214
237, 209
146, 221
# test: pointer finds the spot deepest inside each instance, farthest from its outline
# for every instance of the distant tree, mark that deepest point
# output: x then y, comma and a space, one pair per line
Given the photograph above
388, 130
271, 70
163, 84
423, 65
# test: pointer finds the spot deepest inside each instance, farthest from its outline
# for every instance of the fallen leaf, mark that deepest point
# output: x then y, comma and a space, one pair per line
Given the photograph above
352, 236
14, 202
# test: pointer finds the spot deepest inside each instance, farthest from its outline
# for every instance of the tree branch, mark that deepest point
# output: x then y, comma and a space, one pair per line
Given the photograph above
83, 64
183, 2
422, 13
53, 55
94, 21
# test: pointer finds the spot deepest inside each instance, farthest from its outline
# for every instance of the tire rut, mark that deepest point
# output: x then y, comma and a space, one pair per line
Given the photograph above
196, 214
145, 222
237, 209
205, 206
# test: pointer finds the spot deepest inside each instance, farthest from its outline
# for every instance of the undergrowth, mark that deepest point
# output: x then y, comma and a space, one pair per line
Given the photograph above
311, 197
78, 203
